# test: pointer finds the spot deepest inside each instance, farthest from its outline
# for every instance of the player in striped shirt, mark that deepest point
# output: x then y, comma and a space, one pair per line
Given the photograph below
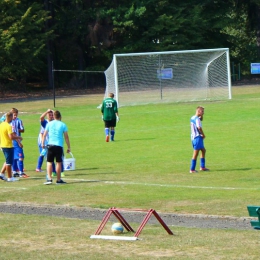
197, 139
18, 128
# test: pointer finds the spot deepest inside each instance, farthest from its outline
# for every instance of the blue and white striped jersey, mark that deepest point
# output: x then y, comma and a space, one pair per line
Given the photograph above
195, 122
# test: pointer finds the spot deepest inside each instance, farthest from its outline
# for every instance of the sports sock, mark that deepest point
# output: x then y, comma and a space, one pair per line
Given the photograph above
20, 165
40, 162
193, 165
107, 131
202, 162
14, 166
112, 134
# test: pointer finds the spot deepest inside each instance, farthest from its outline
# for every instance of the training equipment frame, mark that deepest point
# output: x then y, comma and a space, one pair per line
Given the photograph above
118, 215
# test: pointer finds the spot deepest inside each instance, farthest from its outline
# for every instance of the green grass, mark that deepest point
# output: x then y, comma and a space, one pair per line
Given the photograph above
40, 237
148, 167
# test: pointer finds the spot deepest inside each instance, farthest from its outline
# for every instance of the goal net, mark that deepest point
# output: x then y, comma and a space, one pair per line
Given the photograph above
174, 76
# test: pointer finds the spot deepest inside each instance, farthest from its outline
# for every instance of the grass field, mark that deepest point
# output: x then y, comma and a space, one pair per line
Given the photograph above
146, 167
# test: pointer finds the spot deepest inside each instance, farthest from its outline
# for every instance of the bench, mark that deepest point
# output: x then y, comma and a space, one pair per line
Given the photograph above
254, 211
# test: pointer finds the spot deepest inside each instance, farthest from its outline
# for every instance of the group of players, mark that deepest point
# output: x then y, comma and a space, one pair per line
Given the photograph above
15, 165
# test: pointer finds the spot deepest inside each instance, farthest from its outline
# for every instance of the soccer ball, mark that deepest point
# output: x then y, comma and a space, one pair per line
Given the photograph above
117, 228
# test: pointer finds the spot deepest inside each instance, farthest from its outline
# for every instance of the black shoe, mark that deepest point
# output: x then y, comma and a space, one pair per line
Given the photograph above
16, 174
61, 182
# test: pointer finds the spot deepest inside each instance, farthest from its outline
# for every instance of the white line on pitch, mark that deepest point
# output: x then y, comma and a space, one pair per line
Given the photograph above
164, 185
181, 186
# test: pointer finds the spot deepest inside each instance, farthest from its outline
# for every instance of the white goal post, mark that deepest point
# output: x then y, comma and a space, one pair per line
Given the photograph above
172, 76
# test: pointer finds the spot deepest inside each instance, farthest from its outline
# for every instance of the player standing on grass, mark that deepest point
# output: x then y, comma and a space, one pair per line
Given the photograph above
56, 130
197, 137
18, 128
43, 151
6, 137
110, 116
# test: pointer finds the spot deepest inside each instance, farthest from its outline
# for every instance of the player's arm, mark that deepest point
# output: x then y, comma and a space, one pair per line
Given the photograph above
13, 136
201, 132
43, 138
67, 140
116, 112
18, 140
21, 128
42, 117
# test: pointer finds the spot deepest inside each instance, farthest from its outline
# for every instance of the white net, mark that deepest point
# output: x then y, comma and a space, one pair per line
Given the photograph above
169, 76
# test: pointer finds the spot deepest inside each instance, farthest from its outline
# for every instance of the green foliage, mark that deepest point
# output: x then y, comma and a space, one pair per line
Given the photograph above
85, 34
22, 39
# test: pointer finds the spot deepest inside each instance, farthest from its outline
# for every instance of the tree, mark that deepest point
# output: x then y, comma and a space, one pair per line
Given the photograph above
22, 39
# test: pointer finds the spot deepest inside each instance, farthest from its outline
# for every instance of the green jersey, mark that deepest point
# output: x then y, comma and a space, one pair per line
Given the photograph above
109, 109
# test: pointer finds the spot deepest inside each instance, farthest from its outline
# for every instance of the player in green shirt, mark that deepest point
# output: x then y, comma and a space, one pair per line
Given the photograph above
110, 116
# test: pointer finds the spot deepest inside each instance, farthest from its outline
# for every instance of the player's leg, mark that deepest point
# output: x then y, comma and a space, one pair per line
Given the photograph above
50, 160
15, 167
2, 174
196, 148
3, 168
203, 160
54, 174
21, 164
107, 130
43, 153
59, 159
113, 125
194, 161
62, 165
9, 156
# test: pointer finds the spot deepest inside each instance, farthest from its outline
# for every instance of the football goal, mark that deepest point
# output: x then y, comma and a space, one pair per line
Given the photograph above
172, 76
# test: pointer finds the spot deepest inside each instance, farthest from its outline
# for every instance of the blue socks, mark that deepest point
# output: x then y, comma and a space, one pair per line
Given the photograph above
112, 135
15, 165
202, 162
193, 165
20, 165
40, 162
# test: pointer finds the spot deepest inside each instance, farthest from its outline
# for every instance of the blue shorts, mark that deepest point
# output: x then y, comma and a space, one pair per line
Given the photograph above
198, 143
18, 153
9, 155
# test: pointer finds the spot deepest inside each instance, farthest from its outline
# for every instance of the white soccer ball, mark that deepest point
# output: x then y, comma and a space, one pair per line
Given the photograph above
117, 228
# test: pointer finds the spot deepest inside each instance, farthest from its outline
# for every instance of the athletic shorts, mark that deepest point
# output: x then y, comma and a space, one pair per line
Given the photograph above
54, 152
110, 123
9, 155
198, 143
18, 153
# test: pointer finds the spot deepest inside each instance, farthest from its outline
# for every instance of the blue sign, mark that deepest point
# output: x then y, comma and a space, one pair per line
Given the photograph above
164, 73
255, 68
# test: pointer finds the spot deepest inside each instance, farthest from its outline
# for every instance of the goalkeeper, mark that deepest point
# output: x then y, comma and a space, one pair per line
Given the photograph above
110, 116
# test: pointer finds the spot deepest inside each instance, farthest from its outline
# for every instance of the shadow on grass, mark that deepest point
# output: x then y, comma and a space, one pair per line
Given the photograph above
139, 139
236, 169
83, 169
80, 181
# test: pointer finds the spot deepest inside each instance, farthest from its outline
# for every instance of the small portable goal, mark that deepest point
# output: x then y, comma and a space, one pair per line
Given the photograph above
118, 215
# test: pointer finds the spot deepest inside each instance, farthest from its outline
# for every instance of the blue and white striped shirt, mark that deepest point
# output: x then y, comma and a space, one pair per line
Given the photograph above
195, 123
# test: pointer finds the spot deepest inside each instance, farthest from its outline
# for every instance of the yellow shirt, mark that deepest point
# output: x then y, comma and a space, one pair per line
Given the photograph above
5, 131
